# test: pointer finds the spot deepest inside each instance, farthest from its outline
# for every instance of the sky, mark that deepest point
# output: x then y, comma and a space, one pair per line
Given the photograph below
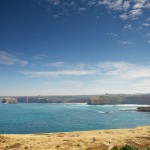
74, 47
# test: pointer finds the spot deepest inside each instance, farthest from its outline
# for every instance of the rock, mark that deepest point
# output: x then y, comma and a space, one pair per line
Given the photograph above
9, 100
119, 99
143, 109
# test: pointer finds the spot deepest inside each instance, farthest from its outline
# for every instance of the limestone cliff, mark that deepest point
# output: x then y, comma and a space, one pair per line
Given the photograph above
9, 100
119, 99
144, 109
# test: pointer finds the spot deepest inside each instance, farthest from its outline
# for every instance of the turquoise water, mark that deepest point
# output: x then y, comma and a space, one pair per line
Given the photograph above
38, 118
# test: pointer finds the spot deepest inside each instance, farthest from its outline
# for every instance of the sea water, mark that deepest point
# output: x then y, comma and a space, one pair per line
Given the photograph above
44, 118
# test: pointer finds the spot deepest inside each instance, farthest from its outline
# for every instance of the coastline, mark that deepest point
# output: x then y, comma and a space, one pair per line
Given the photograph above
79, 140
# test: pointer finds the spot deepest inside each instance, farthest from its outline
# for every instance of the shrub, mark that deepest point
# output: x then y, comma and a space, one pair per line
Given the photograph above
26, 147
115, 148
126, 147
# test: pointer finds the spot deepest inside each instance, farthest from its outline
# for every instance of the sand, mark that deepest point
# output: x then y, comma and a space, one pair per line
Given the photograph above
85, 140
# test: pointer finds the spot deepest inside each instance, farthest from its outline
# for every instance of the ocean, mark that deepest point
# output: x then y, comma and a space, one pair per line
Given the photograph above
45, 118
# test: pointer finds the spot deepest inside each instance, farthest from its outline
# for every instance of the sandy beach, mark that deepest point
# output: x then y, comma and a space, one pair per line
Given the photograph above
85, 140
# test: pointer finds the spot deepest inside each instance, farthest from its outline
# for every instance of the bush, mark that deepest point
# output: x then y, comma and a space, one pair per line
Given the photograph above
115, 148
127, 147
26, 147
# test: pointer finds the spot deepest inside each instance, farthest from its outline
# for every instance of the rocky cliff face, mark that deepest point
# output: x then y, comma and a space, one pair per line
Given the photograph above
54, 99
102, 101
9, 100
117, 99
143, 109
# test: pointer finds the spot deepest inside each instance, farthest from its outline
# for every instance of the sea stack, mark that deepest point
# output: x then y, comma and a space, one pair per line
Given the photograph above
144, 109
9, 100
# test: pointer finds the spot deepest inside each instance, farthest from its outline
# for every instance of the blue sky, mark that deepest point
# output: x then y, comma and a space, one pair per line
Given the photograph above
74, 47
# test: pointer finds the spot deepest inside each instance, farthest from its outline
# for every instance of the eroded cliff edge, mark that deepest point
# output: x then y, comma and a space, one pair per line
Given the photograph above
119, 99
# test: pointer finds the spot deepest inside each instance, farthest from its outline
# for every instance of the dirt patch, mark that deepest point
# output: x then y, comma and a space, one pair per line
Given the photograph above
16, 145
98, 147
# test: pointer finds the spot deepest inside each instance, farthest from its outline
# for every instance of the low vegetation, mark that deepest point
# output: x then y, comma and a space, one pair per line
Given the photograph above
127, 147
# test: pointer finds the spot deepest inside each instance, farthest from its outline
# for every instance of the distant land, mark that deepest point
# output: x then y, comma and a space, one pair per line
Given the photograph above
46, 99
120, 99
105, 99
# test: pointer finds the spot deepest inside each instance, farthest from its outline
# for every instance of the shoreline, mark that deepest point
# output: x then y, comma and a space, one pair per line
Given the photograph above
78, 140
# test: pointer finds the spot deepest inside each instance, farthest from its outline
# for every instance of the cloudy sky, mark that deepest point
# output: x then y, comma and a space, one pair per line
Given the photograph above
73, 47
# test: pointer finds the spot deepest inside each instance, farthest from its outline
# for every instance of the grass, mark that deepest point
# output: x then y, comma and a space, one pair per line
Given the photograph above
127, 147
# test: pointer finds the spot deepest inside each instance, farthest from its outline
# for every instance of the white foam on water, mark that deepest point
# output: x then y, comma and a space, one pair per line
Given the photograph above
128, 109
107, 105
131, 105
101, 112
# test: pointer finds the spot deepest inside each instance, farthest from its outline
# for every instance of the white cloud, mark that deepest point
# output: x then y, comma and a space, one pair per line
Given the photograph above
146, 24
56, 2
139, 4
127, 26
131, 9
112, 34
91, 3
126, 5
135, 13
39, 56
114, 65
117, 4
138, 73
124, 70
127, 9
81, 9
102, 77
56, 64
120, 42
124, 16
22, 62
59, 73
104, 2
107, 69
148, 34
72, 83
147, 5
145, 83
6, 58
9, 59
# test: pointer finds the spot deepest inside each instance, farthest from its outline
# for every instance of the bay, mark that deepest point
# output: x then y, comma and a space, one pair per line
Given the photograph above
44, 118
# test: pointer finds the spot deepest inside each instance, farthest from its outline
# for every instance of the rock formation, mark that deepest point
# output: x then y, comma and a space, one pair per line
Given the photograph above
119, 99
9, 100
143, 109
